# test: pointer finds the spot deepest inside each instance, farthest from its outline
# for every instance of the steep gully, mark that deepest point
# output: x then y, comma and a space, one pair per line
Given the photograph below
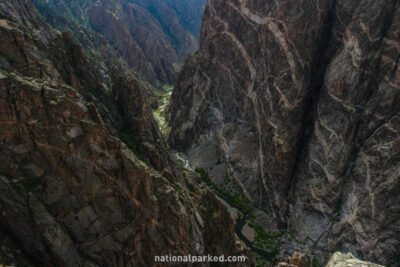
320, 66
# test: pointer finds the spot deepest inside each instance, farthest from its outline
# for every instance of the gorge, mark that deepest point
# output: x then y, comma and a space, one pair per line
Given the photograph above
260, 128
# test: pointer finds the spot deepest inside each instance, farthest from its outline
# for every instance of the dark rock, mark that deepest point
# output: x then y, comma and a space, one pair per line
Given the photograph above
301, 99
151, 36
71, 193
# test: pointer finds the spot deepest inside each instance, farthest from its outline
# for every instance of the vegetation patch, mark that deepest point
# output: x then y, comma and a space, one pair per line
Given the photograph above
4, 73
67, 86
338, 207
239, 201
219, 162
314, 262
160, 114
337, 210
270, 241
31, 184
266, 245
178, 189
262, 263
132, 144
86, 262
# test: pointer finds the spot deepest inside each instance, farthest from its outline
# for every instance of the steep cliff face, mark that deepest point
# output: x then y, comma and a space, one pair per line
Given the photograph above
43, 54
71, 193
300, 100
151, 36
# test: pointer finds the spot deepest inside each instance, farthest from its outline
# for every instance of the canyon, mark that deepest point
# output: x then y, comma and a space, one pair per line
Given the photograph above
86, 178
151, 36
261, 128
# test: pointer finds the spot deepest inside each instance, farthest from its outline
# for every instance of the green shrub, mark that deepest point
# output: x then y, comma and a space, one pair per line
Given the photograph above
132, 144
315, 262
338, 207
238, 201
5, 73
266, 240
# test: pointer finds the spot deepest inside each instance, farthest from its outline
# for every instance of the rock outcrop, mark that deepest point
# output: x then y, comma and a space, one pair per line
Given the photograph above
299, 99
297, 260
337, 260
71, 192
151, 36
348, 260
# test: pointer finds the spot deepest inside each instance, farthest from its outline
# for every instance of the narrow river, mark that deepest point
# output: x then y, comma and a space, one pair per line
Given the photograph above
240, 223
235, 211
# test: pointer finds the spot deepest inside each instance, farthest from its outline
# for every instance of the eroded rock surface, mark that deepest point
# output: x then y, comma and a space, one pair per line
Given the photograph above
69, 189
151, 36
348, 260
301, 99
71, 192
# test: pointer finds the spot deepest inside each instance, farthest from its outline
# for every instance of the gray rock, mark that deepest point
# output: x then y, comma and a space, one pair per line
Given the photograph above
301, 99
348, 260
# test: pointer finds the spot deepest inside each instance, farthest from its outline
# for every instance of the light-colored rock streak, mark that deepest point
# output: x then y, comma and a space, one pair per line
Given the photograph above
250, 92
340, 101
245, 55
331, 178
331, 131
353, 47
283, 97
365, 29
322, 139
273, 27
226, 149
250, 15
368, 183
240, 46
253, 96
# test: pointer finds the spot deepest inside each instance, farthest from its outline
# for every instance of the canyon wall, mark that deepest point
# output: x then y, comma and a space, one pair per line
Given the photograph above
300, 101
152, 36
86, 179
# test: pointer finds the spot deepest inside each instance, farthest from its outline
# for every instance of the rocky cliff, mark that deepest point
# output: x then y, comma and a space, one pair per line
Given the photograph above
346, 260
152, 36
295, 103
337, 260
85, 177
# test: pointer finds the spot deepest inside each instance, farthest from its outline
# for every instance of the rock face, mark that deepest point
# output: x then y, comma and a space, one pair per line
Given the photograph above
152, 36
71, 193
337, 260
347, 260
300, 99
70, 190
297, 260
